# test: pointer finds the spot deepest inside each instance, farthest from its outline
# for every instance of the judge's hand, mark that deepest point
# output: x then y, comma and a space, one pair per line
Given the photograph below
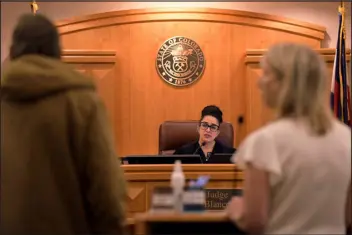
235, 211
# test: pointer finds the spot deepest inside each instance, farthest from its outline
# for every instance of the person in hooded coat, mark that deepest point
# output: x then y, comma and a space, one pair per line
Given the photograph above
59, 170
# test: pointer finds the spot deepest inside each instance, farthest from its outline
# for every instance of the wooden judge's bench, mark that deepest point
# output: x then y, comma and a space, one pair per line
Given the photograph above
143, 178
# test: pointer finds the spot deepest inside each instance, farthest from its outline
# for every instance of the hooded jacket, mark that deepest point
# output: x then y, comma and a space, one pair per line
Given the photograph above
59, 170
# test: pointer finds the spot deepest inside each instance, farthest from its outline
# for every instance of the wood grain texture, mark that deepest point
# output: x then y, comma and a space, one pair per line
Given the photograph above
138, 101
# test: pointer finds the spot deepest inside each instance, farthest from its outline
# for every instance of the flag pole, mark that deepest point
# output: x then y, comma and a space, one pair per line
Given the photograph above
343, 37
340, 87
34, 7
342, 11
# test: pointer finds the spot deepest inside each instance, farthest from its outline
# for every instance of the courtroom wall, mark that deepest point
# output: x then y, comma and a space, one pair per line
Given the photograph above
322, 13
138, 100
119, 50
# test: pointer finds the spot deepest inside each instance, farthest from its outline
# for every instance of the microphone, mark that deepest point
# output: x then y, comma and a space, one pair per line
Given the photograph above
201, 145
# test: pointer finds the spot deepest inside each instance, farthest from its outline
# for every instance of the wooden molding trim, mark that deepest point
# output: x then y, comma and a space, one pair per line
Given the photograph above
186, 168
89, 57
162, 172
255, 55
215, 216
191, 14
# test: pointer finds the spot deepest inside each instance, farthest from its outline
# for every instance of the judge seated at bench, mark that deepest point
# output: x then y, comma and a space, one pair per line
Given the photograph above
208, 129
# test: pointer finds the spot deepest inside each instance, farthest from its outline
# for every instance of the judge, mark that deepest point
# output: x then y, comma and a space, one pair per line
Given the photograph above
208, 129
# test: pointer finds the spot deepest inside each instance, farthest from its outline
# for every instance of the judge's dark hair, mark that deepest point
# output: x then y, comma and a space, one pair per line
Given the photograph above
35, 35
213, 111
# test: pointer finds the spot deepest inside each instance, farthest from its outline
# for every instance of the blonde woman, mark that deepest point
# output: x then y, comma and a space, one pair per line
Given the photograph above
297, 168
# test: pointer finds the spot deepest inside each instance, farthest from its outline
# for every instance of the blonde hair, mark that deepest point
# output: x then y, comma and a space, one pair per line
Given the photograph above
303, 94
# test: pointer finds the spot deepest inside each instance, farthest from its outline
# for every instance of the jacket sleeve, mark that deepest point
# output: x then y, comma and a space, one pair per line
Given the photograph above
178, 151
105, 186
185, 149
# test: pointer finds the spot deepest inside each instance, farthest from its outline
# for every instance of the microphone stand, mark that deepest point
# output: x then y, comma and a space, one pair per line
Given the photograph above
200, 146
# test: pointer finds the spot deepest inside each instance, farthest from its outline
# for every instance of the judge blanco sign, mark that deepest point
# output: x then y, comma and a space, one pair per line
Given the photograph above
180, 61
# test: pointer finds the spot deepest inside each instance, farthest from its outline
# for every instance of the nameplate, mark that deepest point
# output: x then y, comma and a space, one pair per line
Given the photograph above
162, 199
217, 199
193, 200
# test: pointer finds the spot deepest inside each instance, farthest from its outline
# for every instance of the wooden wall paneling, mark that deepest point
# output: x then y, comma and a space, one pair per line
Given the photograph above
139, 101
100, 65
256, 112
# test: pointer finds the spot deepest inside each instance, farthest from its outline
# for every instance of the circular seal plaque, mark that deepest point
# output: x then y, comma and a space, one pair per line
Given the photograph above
180, 61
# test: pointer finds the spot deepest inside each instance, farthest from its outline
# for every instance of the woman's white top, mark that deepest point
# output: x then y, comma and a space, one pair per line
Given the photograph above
309, 175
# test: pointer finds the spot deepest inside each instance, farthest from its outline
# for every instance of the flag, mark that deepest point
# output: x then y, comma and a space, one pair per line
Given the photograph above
34, 7
340, 90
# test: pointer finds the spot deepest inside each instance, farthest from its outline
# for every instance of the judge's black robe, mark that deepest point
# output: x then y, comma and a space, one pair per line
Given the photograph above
194, 148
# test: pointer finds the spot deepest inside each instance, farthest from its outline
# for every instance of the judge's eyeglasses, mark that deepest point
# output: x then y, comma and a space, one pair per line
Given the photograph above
212, 127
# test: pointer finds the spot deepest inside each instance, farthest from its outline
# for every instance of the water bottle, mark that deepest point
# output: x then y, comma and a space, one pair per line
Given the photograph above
178, 184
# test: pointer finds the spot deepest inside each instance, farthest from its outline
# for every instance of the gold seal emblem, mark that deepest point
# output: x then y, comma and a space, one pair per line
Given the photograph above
180, 61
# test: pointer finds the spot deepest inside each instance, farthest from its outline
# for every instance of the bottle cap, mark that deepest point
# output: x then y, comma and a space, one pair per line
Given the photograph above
178, 166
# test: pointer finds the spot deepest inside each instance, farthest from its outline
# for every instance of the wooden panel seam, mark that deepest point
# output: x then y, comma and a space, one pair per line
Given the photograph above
89, 56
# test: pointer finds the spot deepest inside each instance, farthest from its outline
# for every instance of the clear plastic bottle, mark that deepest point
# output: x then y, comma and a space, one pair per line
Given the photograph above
178, 184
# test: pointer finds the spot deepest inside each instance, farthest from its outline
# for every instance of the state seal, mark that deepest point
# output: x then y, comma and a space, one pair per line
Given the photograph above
180, 61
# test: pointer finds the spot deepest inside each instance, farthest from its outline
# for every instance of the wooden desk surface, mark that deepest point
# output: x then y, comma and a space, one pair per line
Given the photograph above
142, 179
163, 171
182, 217
186, 167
